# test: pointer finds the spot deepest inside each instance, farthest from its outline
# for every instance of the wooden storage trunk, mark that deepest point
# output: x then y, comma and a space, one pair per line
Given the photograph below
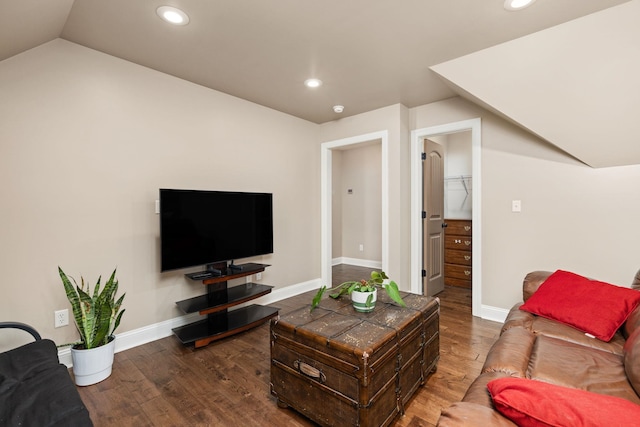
343, 368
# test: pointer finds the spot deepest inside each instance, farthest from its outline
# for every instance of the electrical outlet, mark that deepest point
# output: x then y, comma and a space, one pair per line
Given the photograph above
258, 276
361, 247
61, 318
516, 206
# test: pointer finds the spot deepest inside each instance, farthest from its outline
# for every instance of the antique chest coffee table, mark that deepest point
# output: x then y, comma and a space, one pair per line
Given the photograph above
339, 367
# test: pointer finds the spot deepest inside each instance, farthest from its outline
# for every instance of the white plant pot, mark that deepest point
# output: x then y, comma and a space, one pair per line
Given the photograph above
93, 365
359, 300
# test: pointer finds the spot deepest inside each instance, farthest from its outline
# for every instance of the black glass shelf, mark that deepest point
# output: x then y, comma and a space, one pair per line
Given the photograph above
227, 323
223, 298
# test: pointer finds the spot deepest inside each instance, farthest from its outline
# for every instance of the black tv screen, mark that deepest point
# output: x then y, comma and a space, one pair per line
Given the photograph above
204, 227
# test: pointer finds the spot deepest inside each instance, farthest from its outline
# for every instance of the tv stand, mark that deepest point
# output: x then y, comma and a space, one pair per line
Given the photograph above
233, 266
221, 322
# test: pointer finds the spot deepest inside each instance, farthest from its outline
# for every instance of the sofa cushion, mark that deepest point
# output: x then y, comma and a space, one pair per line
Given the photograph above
594, 307
536, 403
632, 360
540, 326
511, 353
573, 365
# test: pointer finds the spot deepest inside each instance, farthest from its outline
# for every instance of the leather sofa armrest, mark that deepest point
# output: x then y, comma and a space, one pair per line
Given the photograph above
532, 282
463, 414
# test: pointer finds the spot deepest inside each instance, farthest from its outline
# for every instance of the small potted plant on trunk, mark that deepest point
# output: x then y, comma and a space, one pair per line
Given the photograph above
96, 316
363, 292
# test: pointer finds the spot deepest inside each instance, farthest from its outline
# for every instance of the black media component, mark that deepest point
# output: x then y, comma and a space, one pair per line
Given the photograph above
206, 227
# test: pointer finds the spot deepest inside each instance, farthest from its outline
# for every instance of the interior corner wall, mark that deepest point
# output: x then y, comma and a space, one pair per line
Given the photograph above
573, 217
87, 140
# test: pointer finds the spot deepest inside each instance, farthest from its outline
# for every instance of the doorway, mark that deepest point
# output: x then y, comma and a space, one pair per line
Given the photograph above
417, 140
326, 189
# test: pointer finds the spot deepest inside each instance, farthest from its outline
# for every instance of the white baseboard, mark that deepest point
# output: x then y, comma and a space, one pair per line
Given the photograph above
356, 261
495, 314
146, 334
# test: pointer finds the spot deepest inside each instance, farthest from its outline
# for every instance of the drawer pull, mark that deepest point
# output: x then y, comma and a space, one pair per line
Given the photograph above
467, 228
467, 273
467, 242
467, 257
457, 241
310, 371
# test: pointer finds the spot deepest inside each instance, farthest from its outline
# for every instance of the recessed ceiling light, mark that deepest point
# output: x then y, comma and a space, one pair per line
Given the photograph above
313, 83
172, 15
338, 108
517, 4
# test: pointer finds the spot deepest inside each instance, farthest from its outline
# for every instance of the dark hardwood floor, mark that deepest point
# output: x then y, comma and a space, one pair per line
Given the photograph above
226, 383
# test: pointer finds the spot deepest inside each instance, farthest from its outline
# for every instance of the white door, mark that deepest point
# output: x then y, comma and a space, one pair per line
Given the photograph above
433, 218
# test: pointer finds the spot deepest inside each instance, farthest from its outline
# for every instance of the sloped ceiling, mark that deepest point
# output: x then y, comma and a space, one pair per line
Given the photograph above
369, 53
576, 85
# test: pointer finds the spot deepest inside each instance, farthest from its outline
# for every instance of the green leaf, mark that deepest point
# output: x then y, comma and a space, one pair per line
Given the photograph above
394, 293
317, 298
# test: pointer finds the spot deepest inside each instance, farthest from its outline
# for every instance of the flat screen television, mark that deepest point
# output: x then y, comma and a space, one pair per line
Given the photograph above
206, 227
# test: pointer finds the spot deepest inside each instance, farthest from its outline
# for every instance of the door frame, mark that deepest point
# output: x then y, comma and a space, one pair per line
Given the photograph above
325, 196
417, 137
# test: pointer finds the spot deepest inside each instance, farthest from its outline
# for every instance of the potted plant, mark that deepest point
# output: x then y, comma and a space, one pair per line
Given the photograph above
96, 317
363, 292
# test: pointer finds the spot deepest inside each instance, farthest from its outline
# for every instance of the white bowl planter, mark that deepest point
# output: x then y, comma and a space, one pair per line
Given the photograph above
359, 300
93, 365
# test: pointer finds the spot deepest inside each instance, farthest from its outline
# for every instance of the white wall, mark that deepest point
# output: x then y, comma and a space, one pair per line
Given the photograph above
361, 210
87, 139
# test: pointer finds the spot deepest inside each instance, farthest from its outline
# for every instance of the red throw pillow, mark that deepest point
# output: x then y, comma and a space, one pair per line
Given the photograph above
594, 307
536, 403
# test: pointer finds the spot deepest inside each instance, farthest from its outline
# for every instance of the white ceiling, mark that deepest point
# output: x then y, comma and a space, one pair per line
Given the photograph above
369, 53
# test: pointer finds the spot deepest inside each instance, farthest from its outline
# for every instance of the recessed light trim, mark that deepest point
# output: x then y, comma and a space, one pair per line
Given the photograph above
517, 4
338, 108
172, 15
313, 83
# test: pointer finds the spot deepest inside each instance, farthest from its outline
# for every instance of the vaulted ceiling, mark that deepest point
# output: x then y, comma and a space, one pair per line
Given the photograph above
533, 66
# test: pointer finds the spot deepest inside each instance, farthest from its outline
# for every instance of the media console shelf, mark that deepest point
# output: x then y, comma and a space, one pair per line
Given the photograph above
220, 322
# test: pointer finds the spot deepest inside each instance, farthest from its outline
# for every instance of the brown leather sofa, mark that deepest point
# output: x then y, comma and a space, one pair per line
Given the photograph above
533, 347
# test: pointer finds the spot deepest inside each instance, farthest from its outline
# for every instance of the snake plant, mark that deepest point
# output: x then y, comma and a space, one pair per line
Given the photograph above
96, 316
376, 281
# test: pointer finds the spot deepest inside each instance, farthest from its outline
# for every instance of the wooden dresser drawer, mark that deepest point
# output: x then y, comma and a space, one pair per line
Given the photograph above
461, 283
455, 256
459, 227
457, 271
457, 242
